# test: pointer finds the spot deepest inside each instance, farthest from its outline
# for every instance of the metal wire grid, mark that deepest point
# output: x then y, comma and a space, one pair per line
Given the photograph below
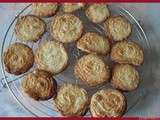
46, 108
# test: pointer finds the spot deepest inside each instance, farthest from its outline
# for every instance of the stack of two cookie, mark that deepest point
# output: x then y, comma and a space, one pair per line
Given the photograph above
51, 58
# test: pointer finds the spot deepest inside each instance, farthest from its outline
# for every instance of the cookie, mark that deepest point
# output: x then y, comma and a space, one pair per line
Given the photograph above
97, 12
108, 103
40, 85
118, 28
127, 52
94, 43
44, 9
29, 28
71, 7
71, 100
125, 77
66, 28
18, 58
51, 56
92, 70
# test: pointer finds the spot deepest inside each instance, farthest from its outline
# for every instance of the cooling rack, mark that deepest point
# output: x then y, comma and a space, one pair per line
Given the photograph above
47, 108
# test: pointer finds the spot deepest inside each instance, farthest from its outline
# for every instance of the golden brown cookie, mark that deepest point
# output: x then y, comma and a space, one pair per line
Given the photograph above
40, 85
94, 43
18, 58
44, 9
97, 12
51, 56
66, 28
92, 70
118, 28
71, 7
125, 77
72, 100
108, 103
30, 28
127, 52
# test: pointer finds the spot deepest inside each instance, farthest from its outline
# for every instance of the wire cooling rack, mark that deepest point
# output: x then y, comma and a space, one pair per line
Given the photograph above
47, 108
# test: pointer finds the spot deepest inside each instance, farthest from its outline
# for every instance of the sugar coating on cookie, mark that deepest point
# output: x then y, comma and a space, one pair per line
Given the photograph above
40, 85
94, 43
108, 103
117, 28
97, 12
51, 56
92, 70
18, 58
44, 9
71, 7
29, 28
66, 28
71, 100
127, 52
125, 77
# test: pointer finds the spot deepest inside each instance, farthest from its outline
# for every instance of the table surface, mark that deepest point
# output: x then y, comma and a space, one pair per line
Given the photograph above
149, 17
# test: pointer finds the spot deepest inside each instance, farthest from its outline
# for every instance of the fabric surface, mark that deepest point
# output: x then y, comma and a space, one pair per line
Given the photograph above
148, 14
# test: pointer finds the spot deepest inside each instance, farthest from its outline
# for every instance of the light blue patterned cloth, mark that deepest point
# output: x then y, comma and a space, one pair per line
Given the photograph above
149, 16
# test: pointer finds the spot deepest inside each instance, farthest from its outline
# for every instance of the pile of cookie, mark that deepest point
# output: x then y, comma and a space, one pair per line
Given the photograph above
51, 58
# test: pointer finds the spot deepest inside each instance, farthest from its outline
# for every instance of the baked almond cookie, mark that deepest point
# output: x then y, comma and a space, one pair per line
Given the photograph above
30, 28
72, 100
44, 9
125, 77
40, 85
97, 12
18, 58
108, 103
94, 43
127, 52
117, 28
51, 56
66, 28
92, 70
71, 7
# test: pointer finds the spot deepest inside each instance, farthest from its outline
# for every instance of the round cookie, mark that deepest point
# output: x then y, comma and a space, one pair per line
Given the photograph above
125, 77
71, 7
72, 100
108, 103
127, 52
18, 58
66, 28
44, 9
51, 56
92, 70
117, 28
40, 85
94, 43
30, 28
97, 12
